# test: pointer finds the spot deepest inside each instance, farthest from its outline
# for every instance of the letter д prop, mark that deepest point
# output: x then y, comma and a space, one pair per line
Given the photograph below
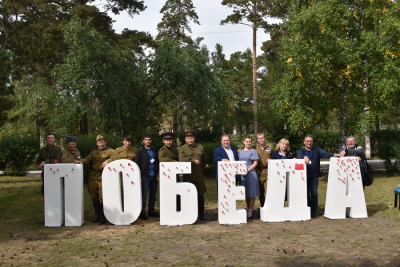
290, 176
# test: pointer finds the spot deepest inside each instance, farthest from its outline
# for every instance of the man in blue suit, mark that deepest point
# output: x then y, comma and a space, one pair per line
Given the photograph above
226, 153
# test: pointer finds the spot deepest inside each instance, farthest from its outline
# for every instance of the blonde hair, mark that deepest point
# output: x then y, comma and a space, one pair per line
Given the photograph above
283, 140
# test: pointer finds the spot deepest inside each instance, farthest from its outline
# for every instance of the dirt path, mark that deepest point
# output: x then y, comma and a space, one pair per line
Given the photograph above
352, 242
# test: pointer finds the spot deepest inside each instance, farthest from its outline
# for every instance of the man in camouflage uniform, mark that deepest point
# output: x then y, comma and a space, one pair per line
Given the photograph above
194, 153
264, 151
99, 158
127, 151
48, 155
71, 154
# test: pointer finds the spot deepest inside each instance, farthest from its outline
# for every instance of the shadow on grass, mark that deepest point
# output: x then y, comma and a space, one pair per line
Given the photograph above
372, 209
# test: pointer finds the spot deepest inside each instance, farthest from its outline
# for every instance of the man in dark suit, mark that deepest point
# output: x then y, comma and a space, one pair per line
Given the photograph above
147, 159
226, 153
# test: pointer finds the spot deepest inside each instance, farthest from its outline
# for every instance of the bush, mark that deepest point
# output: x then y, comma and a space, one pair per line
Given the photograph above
388, 146
202, 136
326, 140
17, 153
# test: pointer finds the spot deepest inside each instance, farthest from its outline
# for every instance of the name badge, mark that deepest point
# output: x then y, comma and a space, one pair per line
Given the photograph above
152, 161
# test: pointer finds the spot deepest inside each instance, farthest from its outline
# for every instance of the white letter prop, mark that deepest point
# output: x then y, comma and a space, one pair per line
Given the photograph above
228, 192
169, 188
112, 197
282, 174
345, 194
54, 175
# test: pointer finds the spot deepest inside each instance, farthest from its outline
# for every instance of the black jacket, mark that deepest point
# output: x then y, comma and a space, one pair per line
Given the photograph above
142, 159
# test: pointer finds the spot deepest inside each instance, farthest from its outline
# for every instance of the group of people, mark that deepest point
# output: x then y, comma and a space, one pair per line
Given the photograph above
258, 156
148, 158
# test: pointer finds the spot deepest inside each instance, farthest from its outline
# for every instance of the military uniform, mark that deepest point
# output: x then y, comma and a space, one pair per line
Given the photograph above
50, 155
190, 154
69, 157
262, 168
97, 157
168, 154
126, 154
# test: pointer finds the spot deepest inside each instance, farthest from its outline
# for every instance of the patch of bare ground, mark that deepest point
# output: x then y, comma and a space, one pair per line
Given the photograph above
374, 241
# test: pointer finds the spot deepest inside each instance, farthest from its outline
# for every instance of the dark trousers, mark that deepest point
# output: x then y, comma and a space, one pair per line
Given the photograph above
149, 184
312, 193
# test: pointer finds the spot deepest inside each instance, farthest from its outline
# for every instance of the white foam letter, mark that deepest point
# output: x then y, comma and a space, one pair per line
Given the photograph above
282, 174
112, 197
344, 194
169, 188
228, 192
72, 175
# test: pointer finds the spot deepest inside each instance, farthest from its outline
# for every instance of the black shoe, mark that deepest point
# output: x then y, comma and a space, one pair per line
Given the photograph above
97, 219
154, 214
143, 216
102, 219
98, 209
314, 216
202, 217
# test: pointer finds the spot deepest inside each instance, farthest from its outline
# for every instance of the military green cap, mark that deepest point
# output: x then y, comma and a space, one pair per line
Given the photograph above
99, 138
168, 135
189, 133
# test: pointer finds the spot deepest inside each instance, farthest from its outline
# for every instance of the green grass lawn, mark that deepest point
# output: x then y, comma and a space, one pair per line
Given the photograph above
350, 242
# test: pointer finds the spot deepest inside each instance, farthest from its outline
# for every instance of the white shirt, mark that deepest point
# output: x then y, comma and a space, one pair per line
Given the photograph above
230, 154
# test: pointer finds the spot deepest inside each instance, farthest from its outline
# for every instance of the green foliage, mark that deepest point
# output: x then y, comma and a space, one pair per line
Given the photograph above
87, 143
340, 57
388, 145
17, 153
209, 169
177, 14
33, 30
5, 89
202, 136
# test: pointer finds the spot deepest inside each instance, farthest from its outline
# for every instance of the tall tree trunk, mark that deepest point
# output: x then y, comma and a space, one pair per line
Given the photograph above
83, 126
255, 71
175, 117
239, 125
38, 133
343, 115
239, 132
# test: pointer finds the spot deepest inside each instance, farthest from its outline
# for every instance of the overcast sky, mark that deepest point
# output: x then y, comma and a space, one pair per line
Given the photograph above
232, 37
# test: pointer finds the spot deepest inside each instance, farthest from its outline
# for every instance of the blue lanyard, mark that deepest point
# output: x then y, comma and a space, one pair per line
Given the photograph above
309, 154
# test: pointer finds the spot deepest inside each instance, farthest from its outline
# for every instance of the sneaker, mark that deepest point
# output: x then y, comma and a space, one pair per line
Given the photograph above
154, 214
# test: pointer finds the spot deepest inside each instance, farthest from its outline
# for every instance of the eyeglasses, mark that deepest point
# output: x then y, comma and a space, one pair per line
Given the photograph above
308, 141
